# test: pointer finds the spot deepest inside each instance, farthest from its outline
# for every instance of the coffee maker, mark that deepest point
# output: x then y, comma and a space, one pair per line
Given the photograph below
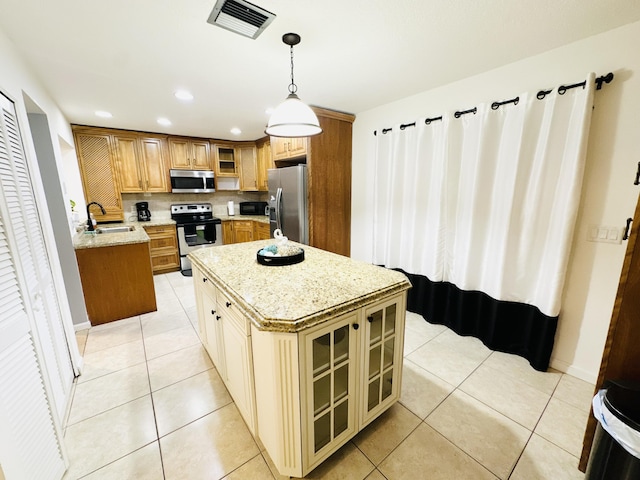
144, 215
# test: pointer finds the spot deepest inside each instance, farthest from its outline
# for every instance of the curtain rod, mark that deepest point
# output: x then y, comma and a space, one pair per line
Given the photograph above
562, 89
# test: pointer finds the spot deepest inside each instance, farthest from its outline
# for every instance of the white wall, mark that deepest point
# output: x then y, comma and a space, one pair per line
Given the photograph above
608, 198
18, 82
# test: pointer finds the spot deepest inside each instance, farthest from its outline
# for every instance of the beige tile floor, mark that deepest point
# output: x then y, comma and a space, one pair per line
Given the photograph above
150, 405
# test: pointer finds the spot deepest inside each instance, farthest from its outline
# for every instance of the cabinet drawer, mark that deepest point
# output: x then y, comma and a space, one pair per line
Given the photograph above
165, 241
165, 261
160, 229
230, 310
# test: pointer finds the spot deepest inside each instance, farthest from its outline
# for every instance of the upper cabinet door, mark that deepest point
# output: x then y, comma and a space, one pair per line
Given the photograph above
248, 168
131, 177
225, 160
179, 153
189, 153
99, 179
141, 164
287, 148
264, 164
153, 164
201, 160
297, 147
279, 148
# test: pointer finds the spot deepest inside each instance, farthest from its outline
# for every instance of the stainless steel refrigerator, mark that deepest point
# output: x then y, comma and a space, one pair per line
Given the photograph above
288, 202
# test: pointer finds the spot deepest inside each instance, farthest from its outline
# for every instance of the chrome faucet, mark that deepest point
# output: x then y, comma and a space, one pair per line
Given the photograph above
89, 222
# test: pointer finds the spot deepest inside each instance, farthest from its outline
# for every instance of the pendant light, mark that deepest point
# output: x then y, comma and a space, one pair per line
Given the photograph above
293, 118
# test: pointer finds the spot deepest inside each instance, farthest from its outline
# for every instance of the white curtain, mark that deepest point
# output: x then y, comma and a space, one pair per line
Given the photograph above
487, 201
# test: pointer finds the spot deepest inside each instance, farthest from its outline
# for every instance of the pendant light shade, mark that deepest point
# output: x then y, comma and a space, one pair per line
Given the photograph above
293, 118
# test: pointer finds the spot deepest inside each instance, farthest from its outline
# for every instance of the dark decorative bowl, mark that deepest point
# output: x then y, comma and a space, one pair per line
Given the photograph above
279, 261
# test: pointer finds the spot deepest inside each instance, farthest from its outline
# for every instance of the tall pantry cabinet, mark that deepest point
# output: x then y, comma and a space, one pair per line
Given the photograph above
328, 159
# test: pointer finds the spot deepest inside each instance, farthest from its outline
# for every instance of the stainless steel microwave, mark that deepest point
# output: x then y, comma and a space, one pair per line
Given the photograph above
192, 181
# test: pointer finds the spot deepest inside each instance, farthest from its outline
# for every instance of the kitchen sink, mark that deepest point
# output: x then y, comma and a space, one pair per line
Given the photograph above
119, 229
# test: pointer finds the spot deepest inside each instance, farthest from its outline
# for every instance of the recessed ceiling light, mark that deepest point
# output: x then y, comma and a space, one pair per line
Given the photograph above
103, 114
183, 95
164, 121
236, 131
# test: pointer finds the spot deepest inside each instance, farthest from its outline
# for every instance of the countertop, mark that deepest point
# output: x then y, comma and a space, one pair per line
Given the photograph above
138, 235
255, 218
294, 297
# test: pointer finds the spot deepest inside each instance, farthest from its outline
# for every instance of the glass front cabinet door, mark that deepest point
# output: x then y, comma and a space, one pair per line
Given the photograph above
330, 362
382, 345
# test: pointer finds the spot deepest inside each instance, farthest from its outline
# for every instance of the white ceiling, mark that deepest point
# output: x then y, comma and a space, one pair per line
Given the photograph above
129, 56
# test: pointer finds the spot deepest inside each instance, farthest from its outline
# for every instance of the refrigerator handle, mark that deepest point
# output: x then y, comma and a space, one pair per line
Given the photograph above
279, 208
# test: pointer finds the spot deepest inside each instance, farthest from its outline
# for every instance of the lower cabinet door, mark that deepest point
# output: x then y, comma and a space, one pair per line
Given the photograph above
329, 377
383, 343
214, 343
239, 372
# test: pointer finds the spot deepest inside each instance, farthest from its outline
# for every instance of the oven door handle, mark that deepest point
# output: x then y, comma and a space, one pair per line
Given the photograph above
279, 208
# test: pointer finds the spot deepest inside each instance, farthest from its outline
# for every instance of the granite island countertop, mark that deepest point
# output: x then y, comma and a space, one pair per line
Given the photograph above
138, 235
294, 297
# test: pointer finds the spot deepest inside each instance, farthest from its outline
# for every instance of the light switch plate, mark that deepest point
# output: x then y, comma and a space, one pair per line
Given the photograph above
604, 234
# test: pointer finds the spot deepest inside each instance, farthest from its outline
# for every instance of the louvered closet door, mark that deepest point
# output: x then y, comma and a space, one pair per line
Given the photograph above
27, 230
29, 445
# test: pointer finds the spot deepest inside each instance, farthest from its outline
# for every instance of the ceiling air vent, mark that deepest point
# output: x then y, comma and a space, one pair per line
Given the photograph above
241, 17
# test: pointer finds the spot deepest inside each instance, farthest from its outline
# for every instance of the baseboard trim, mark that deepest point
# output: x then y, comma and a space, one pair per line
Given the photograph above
574, 371
81, 326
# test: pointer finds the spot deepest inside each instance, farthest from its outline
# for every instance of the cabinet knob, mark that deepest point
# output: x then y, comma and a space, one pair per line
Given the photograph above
228, 304
213, 312
370, 318
218, 317
356, 326
204, 279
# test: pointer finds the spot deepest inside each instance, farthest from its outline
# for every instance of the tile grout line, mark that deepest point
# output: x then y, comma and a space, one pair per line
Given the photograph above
153, 405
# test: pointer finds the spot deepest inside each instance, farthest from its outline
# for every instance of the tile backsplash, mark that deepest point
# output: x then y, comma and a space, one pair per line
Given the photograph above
160, 203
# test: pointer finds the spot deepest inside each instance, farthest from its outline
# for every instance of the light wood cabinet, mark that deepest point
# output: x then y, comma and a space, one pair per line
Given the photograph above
96, 158
187, 153
164, 248
225, 160
237, 161
265, 162
261, 231
227, 232
141, 163
288, 148
237, 231
329, 183
243, 231
248, 167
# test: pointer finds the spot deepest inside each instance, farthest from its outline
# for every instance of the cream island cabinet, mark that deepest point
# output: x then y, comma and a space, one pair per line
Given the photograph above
311, 353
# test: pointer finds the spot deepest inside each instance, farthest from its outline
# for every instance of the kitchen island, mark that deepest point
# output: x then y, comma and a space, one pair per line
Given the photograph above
311, 353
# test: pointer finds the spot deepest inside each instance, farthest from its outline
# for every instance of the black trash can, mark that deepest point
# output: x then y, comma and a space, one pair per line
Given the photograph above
615, 454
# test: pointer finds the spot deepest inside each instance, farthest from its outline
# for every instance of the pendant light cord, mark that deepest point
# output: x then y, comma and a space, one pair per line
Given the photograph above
293, 88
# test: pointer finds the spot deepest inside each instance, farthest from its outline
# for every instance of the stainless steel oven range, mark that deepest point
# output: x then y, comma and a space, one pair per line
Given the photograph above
196, 228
